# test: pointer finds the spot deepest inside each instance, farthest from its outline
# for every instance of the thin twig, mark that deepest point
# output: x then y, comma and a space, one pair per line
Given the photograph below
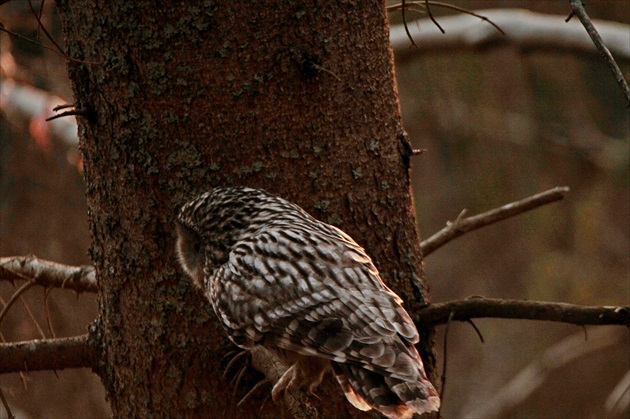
578, 9
444, 361
468, 12
64, 106
74, 112
464, 310
476, 329
17, 35
28, 310
5, 403
404, 19
14, 298
464, 225
524, 30
430, 14
402, 6
254, 389
43, 28
46, 354
48, 274
47, 313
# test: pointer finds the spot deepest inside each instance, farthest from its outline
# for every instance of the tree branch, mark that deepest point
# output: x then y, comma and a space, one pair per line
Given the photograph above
29, 102
47, 273
578, 9
523, 29
472, 308
464, 225
46, 354
295, 401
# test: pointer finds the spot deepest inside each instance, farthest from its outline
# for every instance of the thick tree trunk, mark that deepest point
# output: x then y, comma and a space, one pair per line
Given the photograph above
297, 98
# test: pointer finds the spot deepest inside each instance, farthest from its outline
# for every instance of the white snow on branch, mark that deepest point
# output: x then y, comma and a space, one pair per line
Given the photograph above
523, 29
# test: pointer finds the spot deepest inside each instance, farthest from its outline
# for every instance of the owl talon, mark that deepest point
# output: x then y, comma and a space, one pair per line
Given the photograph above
284, 384
256, 387
236, 358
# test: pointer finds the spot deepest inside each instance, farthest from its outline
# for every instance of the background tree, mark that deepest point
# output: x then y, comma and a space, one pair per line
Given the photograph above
487, 181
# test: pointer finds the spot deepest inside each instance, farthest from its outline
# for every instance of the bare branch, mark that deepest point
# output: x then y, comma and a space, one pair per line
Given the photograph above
404, 18
75, 112
48, 274
578, 9
27, 101
46, 354
523, 29
464, 225
463, 310
424, 5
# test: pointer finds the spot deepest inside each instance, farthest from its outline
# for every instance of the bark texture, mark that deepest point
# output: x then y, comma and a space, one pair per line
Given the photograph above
294, 97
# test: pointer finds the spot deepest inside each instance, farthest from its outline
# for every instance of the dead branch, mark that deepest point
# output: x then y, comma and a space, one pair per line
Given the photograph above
48, 274
46, 354
523, 29
578, 9
424, 7
474, 308
461, 225
25, 101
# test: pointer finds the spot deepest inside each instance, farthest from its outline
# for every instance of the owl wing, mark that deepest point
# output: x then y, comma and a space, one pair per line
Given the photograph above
317, 296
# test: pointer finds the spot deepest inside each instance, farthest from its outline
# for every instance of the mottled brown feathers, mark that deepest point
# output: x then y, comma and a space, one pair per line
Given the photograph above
278, 277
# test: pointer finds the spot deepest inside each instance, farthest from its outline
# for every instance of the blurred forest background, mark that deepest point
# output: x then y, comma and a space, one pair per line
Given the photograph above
498, 124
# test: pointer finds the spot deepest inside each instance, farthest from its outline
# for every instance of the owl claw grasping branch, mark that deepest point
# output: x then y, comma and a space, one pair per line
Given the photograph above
305, 290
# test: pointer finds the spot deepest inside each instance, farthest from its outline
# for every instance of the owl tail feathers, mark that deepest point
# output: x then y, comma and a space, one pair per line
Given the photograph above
392, 397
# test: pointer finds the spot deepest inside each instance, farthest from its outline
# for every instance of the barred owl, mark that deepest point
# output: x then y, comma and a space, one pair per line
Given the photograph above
304, 289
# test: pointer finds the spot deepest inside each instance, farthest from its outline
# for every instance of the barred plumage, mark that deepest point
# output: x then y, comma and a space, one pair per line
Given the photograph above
278, 277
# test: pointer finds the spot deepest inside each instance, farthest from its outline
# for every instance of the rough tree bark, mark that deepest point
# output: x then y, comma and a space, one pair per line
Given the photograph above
295, 97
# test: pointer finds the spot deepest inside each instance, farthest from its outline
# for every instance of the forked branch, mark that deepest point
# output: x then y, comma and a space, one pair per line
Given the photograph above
462, 225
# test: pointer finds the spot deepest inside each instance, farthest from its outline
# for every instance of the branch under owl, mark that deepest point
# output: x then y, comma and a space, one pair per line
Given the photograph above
75, 352
295, 401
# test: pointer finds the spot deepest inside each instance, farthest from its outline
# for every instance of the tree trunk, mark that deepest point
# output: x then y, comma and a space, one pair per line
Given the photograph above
294, 97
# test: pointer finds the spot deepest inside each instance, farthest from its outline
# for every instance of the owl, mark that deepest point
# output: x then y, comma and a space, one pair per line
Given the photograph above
305, 290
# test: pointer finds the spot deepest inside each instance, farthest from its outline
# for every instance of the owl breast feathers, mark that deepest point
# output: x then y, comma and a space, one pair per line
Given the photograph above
277, 277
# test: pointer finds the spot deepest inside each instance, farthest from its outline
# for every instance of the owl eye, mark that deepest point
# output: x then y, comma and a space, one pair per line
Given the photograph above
188, 250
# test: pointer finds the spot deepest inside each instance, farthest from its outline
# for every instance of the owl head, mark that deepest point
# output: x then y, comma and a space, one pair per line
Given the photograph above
190, 252
208, 226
